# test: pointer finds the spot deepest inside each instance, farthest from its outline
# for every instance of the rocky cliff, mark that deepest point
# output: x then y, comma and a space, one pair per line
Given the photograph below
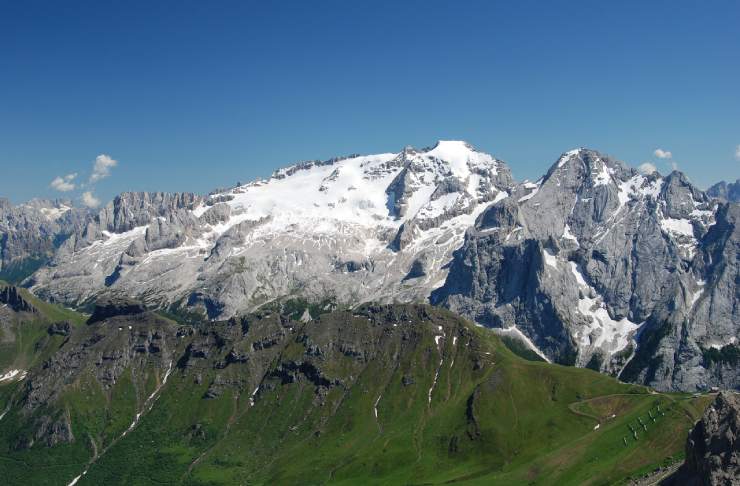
713, 447
729, 191
30, 234
601, 266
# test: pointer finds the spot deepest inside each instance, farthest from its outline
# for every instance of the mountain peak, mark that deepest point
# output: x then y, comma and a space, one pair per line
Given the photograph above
462, 157
729, 191
600, 168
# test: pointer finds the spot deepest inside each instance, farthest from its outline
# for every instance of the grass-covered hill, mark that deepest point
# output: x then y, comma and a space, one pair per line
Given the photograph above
25, 339
402, 394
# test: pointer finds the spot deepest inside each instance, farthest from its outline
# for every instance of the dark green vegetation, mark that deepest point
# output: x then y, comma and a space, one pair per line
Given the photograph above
24, 337
520, 349
398, 394
728, 354
19, 270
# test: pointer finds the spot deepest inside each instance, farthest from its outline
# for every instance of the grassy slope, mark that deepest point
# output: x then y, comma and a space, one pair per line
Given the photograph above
25, 341
30, 346
511, 421
528, 432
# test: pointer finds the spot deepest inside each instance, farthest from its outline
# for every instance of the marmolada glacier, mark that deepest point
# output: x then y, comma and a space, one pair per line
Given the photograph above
595, 264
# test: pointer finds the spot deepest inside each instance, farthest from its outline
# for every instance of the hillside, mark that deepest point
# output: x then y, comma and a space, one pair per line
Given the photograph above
398, 394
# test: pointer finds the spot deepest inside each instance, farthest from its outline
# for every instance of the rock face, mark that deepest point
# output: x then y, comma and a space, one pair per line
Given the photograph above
600, 266
713, 446
729, 191
142, 345
12, 297
594, 264
116, 306
30, 234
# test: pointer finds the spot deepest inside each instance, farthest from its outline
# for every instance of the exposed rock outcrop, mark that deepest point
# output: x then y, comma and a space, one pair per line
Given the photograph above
713, 446
13, 298
31, 233
599, 265
729, 191
115, 306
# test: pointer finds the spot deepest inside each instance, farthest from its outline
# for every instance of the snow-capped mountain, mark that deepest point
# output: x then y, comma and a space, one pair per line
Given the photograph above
604, 267
379, 227
594, 264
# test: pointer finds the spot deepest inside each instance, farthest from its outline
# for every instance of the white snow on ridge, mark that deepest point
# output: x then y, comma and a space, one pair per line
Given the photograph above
567, 156
461, 156
346, 190
353, 190
439, 206
638, 187
530, 195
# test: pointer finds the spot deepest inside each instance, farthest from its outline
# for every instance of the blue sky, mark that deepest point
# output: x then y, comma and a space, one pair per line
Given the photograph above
197, 95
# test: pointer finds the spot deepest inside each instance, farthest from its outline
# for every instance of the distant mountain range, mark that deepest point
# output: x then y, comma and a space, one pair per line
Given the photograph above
729, 191
594, 264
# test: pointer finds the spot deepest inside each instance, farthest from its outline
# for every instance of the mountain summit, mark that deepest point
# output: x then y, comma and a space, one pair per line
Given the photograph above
594, 264
378, 227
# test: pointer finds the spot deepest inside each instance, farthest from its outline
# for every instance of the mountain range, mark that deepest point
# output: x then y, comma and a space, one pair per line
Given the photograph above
594, 264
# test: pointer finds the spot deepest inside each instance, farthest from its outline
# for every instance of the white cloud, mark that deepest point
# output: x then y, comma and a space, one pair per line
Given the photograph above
89, 200
647, 168
64, 183
737, 153
101, 169
663, 154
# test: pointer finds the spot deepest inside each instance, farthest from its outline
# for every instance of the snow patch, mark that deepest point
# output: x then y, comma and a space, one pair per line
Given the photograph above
55, 213
12, 374
567, 156
550, 259
514, 331
602, 177
732, 340
602, 331
530, 195
695, 295
677, 226
569, 236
